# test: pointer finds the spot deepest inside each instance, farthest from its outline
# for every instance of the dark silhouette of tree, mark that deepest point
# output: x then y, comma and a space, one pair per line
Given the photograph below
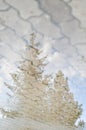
81, 123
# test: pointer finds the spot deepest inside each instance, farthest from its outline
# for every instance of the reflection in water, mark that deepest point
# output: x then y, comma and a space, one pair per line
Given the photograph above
36, 97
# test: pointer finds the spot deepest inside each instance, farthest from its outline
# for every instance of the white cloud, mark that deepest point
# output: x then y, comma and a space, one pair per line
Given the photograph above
64, 56
69, 71
1, 84
6, 68
47, 45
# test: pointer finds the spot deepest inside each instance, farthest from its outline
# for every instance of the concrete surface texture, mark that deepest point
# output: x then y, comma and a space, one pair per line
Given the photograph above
60, 27
29, 124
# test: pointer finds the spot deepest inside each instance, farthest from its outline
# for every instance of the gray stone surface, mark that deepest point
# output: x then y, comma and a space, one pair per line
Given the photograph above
60, 26
3, 6
58, 10
25, 8
28, 124
44, 26
79, 11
